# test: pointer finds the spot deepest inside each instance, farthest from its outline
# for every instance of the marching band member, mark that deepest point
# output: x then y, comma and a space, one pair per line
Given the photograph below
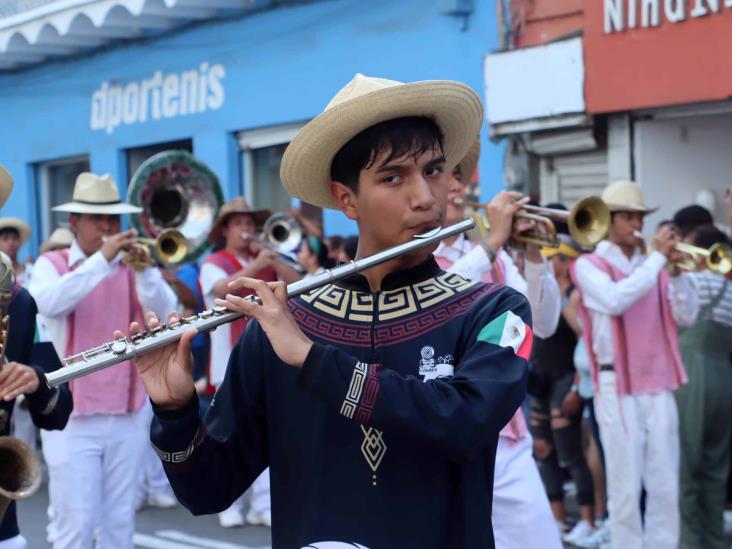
81, 292
377, 401
703, 306
240, 255
632, 340
517, 484
49, 408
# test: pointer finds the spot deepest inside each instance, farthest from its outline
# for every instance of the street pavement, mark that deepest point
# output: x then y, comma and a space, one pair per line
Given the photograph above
155, 529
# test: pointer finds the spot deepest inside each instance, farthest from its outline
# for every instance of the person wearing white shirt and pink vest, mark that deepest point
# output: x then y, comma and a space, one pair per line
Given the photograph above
83, 293
631, 334
521, 513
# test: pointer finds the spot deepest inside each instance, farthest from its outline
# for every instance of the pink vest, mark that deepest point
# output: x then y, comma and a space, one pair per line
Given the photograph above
645, 339
515, 429
110, 306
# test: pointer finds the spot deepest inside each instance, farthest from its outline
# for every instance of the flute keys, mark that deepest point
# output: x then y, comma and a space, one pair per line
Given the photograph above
119, 346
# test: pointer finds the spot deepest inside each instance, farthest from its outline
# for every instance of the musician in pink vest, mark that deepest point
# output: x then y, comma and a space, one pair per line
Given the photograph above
521, 513
240, 254
82, 293
634, 351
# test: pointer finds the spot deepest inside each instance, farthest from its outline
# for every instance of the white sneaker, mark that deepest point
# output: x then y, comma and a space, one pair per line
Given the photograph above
581, 530
162, 500
231, 518
259, 518
598, 539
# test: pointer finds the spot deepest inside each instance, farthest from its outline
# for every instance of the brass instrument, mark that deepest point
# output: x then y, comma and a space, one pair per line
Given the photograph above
588, 221
20, 467
718, 258
169, 248
283, 233
180, 198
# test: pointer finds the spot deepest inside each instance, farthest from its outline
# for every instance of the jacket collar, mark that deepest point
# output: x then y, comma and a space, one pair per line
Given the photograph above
397, 279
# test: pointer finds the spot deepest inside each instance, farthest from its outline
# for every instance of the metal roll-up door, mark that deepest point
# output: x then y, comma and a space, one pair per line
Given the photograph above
567, 178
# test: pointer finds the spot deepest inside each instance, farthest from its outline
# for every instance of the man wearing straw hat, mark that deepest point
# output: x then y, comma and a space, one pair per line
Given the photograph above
14, 233
517, 484
633, 346
82, 291
235, 234
49, 409
376, 401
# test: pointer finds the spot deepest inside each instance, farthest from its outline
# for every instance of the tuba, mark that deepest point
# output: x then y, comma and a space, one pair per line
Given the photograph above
20, 467
180, 198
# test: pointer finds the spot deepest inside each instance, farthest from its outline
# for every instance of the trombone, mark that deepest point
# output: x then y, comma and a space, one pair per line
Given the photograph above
718, 257
588, 221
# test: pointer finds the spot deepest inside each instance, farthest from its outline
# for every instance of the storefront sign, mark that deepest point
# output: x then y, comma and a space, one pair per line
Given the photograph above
620, 15
653, 53
160, 96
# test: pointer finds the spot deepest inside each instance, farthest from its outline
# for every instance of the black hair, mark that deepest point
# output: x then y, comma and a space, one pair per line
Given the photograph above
350, 246
689, 218
560, 226
410, 136
706, 236
318, 247
10, 230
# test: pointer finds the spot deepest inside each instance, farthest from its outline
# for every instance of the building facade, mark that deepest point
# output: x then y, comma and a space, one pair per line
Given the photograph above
101, 86
627, 90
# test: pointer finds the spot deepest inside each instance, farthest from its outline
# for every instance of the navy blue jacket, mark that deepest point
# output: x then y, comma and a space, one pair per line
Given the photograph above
49, 408
373, 441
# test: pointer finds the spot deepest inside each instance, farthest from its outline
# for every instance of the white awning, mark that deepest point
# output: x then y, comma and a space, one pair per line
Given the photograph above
69, 27
542, 82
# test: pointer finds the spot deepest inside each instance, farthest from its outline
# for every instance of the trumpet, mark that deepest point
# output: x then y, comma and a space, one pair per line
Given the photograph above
20, 468
588, 221
169, 248
718, 257
123, 349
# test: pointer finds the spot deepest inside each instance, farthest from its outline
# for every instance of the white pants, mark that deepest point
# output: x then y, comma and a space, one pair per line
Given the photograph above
18, 542
522, 517
53, 445
100, 482
640, 437
152, 480
23, 426
260, 493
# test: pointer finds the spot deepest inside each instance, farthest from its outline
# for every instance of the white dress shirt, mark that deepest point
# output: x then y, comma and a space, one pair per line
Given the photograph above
57, 296
697, 290
540, 287
605, 298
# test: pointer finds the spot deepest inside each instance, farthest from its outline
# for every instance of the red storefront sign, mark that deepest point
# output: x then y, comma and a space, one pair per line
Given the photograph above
649, 53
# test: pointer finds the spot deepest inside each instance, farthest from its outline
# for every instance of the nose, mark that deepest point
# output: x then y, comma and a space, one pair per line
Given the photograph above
423, 197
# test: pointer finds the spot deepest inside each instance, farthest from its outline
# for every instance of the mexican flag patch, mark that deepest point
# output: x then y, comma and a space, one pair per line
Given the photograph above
508, 330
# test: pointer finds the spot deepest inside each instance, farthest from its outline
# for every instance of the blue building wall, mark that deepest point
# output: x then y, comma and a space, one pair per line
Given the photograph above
280, 66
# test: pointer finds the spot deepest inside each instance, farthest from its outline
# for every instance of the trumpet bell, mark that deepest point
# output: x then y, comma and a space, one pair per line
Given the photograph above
589, 221
719, 259
20, 471
171, 247
283, 232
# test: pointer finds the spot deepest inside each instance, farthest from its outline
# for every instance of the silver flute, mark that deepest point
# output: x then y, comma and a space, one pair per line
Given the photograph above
123, 349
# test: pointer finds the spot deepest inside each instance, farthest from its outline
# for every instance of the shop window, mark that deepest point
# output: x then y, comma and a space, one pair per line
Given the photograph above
56, 186
261, 156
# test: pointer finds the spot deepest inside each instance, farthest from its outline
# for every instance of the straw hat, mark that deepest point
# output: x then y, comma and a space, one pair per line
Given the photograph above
6, 185
96, 194
364, 102
60, 238
19, 225
625, 196
467, 165
236, 205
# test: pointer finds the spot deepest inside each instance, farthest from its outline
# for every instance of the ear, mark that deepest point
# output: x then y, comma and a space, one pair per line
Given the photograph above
346, 199
73, 223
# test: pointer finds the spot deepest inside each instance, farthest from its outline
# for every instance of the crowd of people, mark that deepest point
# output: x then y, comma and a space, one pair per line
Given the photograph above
430, 356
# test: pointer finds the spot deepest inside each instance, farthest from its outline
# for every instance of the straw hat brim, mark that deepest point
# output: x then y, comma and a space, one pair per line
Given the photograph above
455, 107
259, 216
630, 208
19, 225
470, 162
6, 185
110, 209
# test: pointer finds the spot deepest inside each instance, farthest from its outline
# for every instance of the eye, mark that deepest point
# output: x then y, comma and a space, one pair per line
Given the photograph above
432, 171
392, 179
